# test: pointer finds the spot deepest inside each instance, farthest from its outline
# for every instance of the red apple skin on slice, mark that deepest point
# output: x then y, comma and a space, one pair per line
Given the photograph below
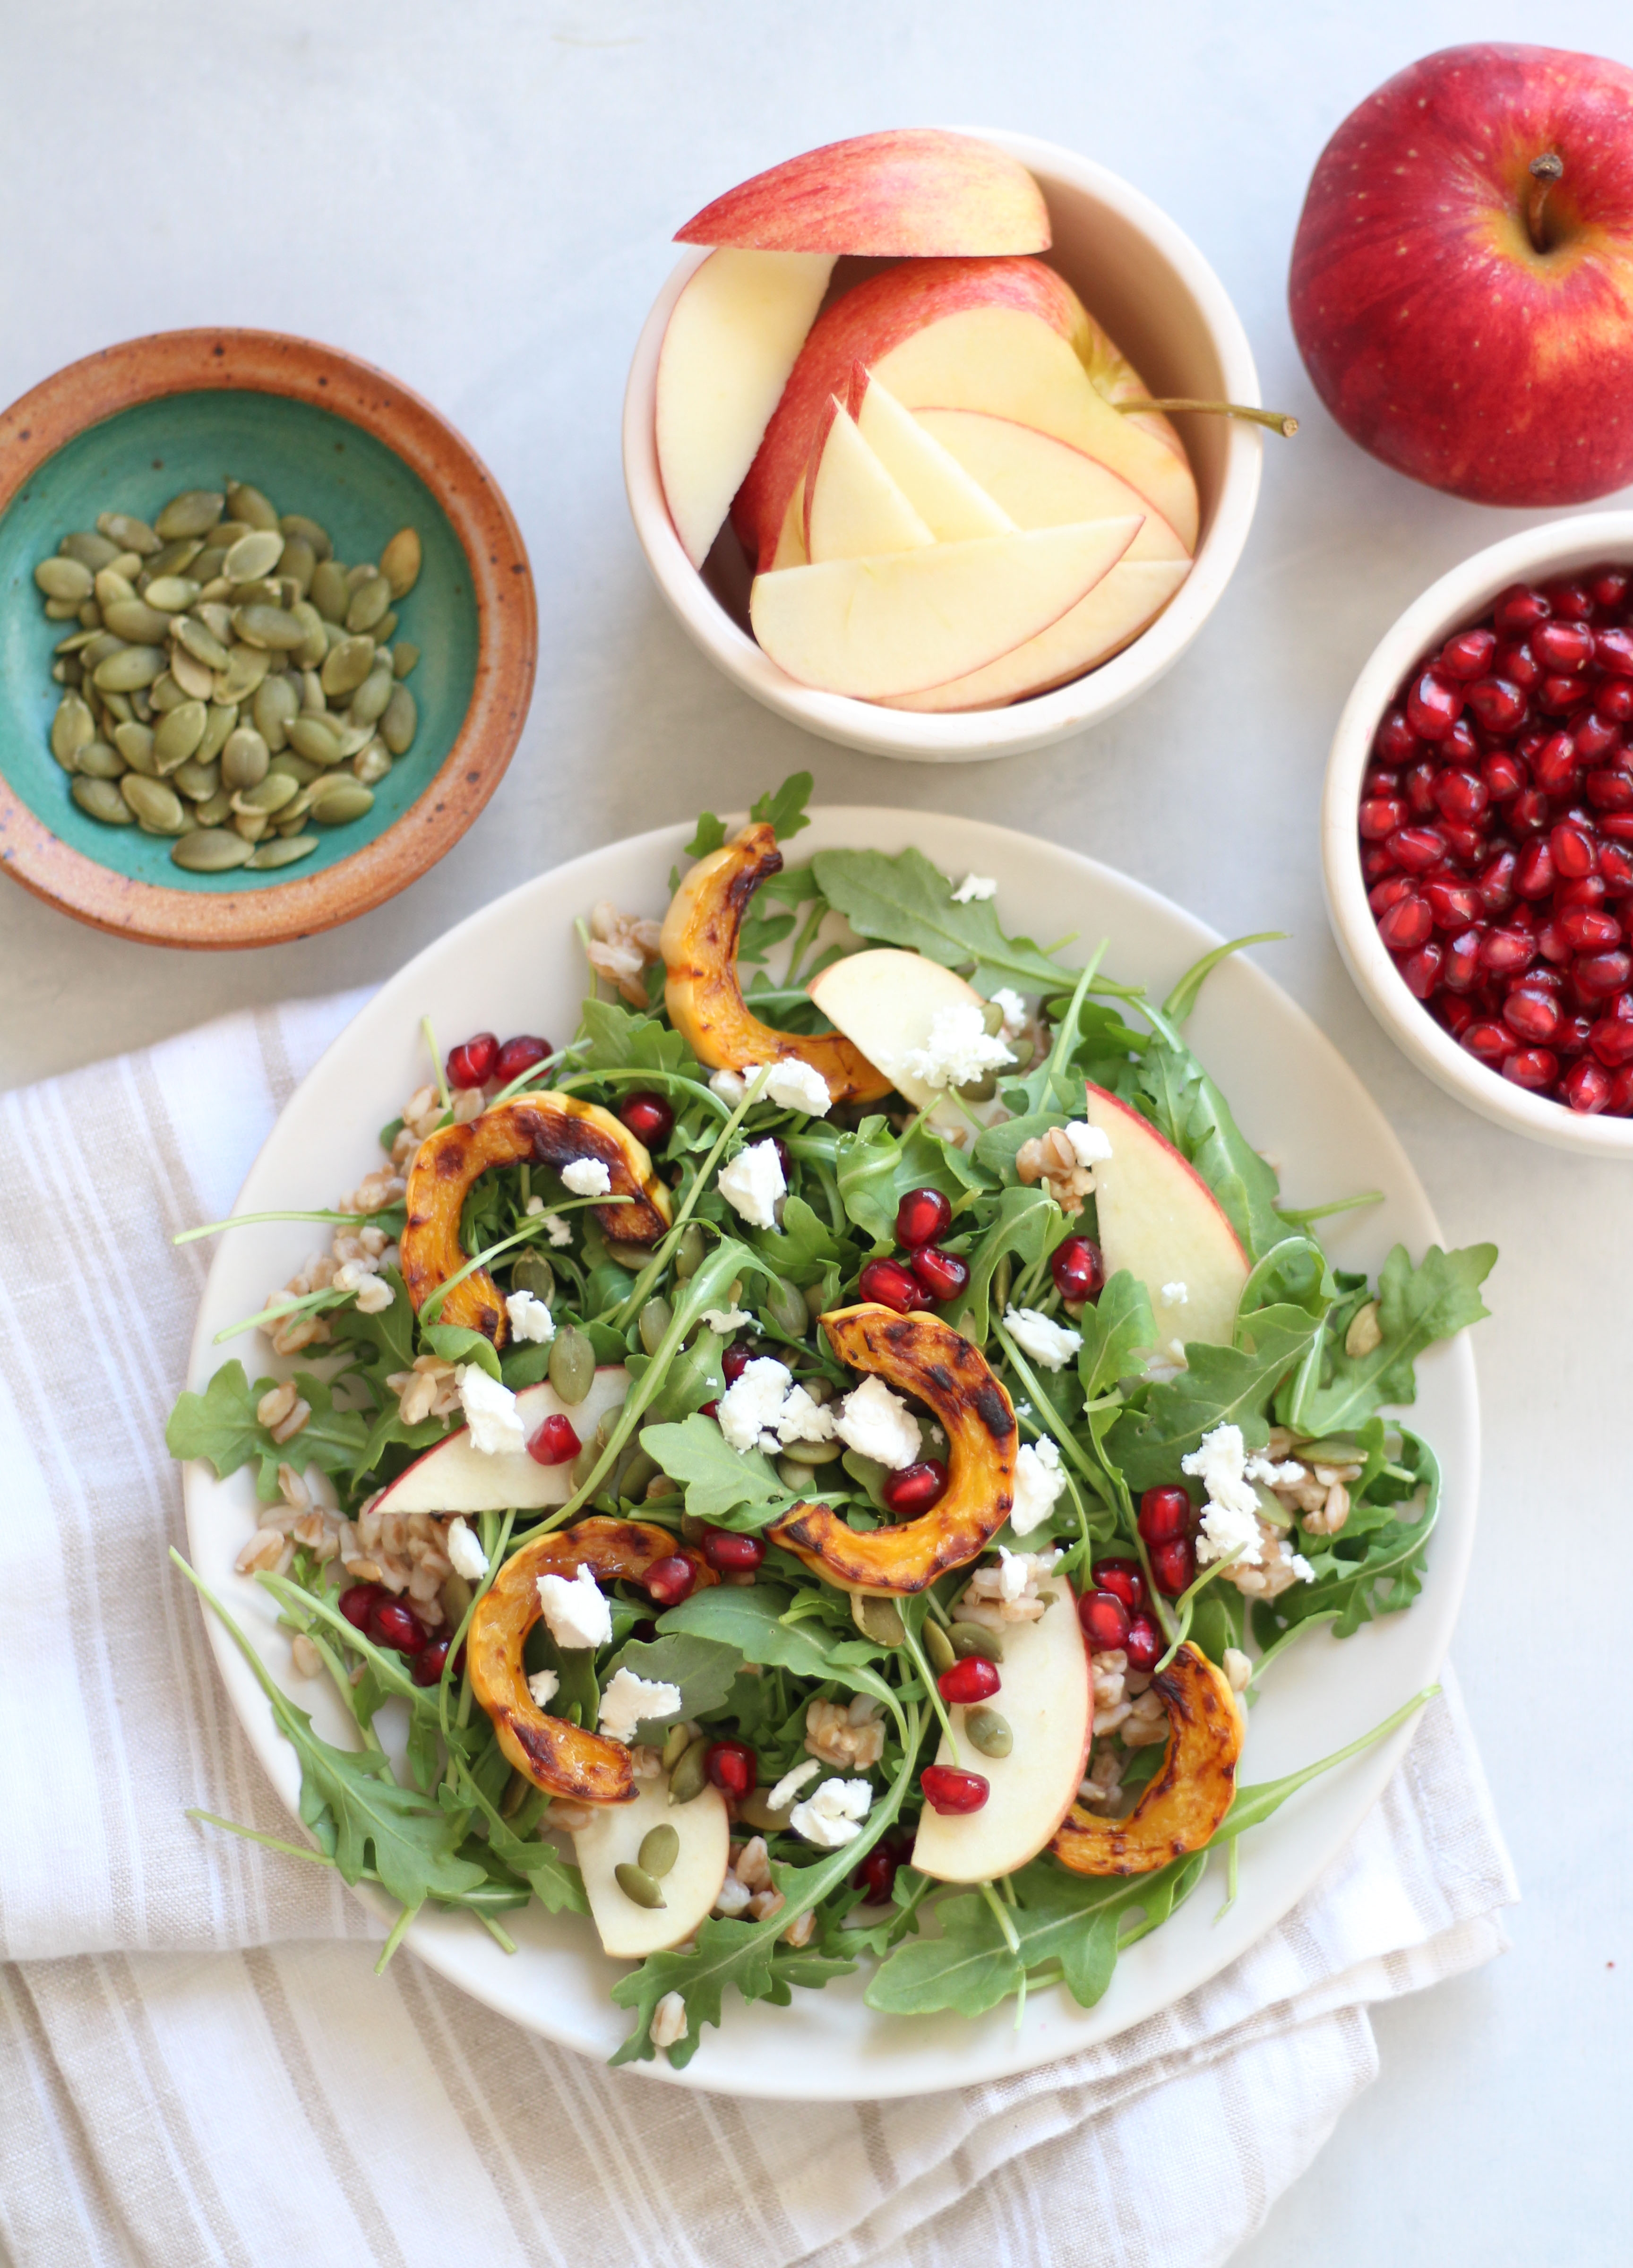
452, 1476
1159, 1219
1116, 610
1041, 483
1047, 1697
902, 194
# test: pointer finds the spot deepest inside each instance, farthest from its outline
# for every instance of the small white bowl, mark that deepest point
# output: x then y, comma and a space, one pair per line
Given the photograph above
1559, 547
1145, 281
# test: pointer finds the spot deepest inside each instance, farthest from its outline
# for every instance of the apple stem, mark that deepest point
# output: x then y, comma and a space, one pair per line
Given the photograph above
1276, 419
1545, 171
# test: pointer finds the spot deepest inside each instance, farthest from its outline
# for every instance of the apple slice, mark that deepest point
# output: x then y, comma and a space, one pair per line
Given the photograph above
453, 1476
898, 622
1041, 482
1048, 1700
733, 336
897, 196
791, 543
614, 1838
853, 508
1159, 1219
886, 1000
952, 504
1116, 611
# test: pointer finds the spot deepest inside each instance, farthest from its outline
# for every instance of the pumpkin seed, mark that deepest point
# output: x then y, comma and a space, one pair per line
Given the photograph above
130, 534
399, 561
72, 728
297, 767
223, 717
252, 825
369, 601
193, 512
268, 626
92, 551
100, 799
363, 572
311, 531
156, 806
181, 735
785, 1305
63, 610
248, 504
165, 694
113, 589
133, 619
68, 579
812, 1452
369, 702
253, 555
196, 680
403, 658
195, 781
937, 1645
400, 720
277, 704
532, 1272
90, 616
329, 593
347, 665
244, 759
312, 700
371, 764
118, 705
269, 794
384, 627
134, 666
246, 665
660, 1847
174, 559
299, 562
309, 653
879, 1619
75, 642
315, 739
135, 743
637, 1885
98, 760
173, 593
206, 568
572, 1364
196, 639
212, 851
971, 1638
689, 1777
989, 1732
214, 809
284, 851
654, 1321
582, 1465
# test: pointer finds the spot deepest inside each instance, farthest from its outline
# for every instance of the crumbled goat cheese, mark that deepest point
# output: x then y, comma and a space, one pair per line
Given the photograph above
975, 886
669, 2023
1038, 1481
587, 1177
789, 1787
1176, 1295
751, 1405
877, 1423
490, 1412
575, 1611
1230, 1520
1219, 1462
726, 1319
753, 1182
1008, 1593
530, 1318
1226, 1530
797, 1086
629, 1700
560, 1232
1020, 1571
1012, 1007
802, 1419
960, 1048
544, 1685
1090, 1145
533, 1207
730, 1086
833, 1816
466, 1555
1046, 1341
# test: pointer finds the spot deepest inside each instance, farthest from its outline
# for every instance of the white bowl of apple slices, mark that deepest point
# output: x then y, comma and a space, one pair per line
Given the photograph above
880, 449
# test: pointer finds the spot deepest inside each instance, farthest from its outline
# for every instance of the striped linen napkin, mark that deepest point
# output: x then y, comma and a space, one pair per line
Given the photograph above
196, 2062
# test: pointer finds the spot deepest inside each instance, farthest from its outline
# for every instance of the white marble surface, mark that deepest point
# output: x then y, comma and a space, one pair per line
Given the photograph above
480, 199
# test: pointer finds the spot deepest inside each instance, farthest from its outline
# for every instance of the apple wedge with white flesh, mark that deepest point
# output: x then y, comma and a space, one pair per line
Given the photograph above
951, 501
733, 336
1038, 480
1159, 1219
1116, 610
853, 508
614, 1838
1047, 1698
902, 622
886, 1001
453, 1476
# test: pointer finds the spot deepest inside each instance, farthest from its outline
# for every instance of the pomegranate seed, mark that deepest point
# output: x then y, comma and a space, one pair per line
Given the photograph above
1518, 606
1504, 949
1596, 738
1519, 665
1467, 654
1588, 930
1612, 1042
1460, 795
953, 1793
472, 1062
732, 1766
736, 1358
877, 1874
1390, 892
1173, 1567
1531, 1015
1608, 587
1564, 646
1557, 696
1528, 812
1551, 944
1105, 1620
923, 1215
555, 1443
1615, 869
1532, 1067
1125, 1578
1556, 764
1397, 743
1618, 825
944, 1275
1453, 904
1586, 1087
709, 1409
1461, 970
1077, 1269
1456, 1013
1609, 790
1433, 705
914, 1488
892, 1286
1597, 975
1379, 783
356, 1603
1379, 817
1377, 860
1621, 1103
1420, 786
1613, 650
519, 1055
730, 1554
393, 1624
1461, 747
1165, 1513
1466, 841
1534, 871
1503, 774
1417, 848
1573, 851
1495, 883
427, 1666
1406, 925
1489, 1043
1586, 890
1422, 970
1571, 1039
649, 1118
974, 1679
670, 1580
1144, 1644
1572, 600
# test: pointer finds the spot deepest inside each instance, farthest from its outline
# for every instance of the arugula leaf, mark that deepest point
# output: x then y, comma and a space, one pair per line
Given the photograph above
220, 1423
619, 1039
1374, 1564
719, 1482
1190, 1111
455, 1342
906, 900
875, 1171
1221, 1386
969, 1967
783, 809
1116, 1327
1415, 1306
1251, 1806
703, 1668
556, 1883
802, 1248
390, 1333
695, 1376
750, 1620
1026, 1222
709, 835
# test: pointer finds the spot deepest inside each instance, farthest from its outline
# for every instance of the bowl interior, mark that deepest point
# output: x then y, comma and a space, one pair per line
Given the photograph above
307, 460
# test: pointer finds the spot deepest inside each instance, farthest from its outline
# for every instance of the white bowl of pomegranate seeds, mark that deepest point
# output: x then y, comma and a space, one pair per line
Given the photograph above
1477, 832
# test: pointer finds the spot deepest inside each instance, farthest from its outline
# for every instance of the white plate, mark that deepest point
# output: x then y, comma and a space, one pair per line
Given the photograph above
515, 966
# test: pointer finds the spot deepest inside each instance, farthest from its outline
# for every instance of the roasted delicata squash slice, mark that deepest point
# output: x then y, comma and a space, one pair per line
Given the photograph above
704, 998
559, 1757
540, 1130
922, 1356
1183, 1805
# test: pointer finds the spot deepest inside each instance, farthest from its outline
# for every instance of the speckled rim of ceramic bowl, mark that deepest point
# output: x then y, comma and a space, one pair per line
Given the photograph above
90, 392
973, 735
1558, 547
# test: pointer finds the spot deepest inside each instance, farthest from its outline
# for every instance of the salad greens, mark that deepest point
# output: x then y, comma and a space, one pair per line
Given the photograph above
1317, 1357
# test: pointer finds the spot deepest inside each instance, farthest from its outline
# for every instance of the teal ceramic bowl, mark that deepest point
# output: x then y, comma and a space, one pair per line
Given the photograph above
319, 433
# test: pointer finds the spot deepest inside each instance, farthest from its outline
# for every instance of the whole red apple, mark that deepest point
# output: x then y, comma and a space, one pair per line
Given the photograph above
1462, 277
